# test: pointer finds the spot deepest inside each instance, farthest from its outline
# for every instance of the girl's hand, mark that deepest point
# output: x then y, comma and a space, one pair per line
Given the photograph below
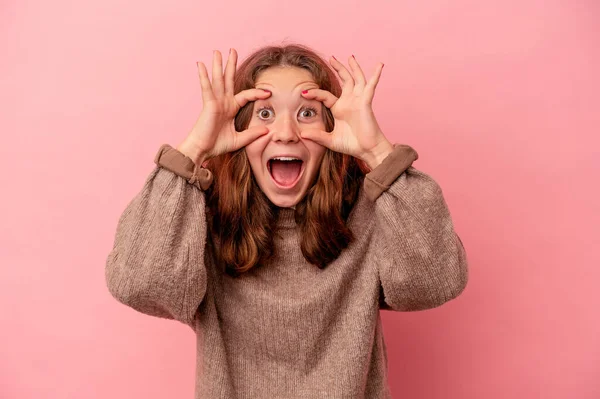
356, 131
214, 132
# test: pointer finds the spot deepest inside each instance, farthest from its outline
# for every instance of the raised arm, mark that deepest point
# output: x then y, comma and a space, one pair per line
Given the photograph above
157, 264
421, 260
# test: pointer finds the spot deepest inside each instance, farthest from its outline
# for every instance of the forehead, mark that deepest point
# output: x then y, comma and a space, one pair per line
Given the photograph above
285, 79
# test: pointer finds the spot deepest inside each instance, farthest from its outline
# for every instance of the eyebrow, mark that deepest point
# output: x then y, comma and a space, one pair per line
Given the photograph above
269, 84
269, 100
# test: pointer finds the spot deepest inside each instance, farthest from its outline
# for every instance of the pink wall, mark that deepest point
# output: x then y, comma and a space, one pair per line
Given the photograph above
501, 102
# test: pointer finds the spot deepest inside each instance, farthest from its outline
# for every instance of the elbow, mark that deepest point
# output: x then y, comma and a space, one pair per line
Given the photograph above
453, 287
133, 293
427, 297
170, 296
112, 277
451, 280
119, 285
450, 284
123, 285
460, 276
436, 296
415, 291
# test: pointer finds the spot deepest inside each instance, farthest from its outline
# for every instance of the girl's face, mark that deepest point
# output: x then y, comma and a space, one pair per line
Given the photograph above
283, 163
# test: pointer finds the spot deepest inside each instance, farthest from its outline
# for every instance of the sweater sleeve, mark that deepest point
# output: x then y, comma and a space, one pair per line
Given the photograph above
156, 265
420, 258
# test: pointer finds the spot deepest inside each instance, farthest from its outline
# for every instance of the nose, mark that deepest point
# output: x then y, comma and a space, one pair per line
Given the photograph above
286, 131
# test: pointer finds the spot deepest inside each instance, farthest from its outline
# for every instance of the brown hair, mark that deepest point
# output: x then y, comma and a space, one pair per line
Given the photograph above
242, 218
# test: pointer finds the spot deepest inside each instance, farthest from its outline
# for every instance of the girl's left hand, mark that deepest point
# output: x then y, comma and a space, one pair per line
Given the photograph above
356, 131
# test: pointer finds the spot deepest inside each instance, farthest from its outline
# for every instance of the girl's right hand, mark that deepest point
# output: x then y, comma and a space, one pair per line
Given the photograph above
214, 132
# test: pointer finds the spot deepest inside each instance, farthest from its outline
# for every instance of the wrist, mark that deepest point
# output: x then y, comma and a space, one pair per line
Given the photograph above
191, 151
378, 154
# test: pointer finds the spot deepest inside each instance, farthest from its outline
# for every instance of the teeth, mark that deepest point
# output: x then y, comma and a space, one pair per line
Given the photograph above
286, 159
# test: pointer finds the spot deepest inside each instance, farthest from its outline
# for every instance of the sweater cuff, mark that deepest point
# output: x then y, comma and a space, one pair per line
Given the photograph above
381, 178
171, 159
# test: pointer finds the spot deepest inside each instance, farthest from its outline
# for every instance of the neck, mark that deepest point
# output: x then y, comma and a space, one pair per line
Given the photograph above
286, 217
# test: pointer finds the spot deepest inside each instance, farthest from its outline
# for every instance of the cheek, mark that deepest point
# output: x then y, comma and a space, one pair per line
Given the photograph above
253, 154
316, 150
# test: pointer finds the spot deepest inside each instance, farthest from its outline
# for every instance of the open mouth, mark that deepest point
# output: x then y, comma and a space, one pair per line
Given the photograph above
285, 171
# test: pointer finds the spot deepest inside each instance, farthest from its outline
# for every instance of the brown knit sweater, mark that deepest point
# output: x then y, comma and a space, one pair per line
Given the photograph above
288, 329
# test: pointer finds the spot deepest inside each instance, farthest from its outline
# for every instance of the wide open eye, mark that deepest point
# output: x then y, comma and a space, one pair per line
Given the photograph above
263, 112
310, 110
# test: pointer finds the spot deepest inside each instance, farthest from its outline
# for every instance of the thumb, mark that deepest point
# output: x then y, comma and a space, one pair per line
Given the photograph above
249, 135
318, 136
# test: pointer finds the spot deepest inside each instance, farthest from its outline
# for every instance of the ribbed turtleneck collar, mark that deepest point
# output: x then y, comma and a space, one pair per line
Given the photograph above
286, 218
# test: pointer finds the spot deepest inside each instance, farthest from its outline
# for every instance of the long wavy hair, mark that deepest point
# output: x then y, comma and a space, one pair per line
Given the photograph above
242, 219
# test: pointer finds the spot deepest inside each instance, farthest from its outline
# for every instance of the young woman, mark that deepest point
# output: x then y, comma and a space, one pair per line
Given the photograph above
280, 227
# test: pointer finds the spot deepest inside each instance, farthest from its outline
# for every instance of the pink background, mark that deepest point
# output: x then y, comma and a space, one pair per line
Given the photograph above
500, 99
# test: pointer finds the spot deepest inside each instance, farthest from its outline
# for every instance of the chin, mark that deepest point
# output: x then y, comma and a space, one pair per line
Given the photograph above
283, 201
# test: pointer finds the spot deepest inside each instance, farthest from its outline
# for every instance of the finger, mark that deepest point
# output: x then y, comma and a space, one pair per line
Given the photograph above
318, 136
207, 93
359, 76
370, 87
347, 80
217, 74
230, 71
247, 136
324, 96
243, 97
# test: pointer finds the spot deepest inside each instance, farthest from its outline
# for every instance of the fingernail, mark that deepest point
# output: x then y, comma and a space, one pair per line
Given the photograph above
304, 91
334, 57
382, 64
353, 56
268, 91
